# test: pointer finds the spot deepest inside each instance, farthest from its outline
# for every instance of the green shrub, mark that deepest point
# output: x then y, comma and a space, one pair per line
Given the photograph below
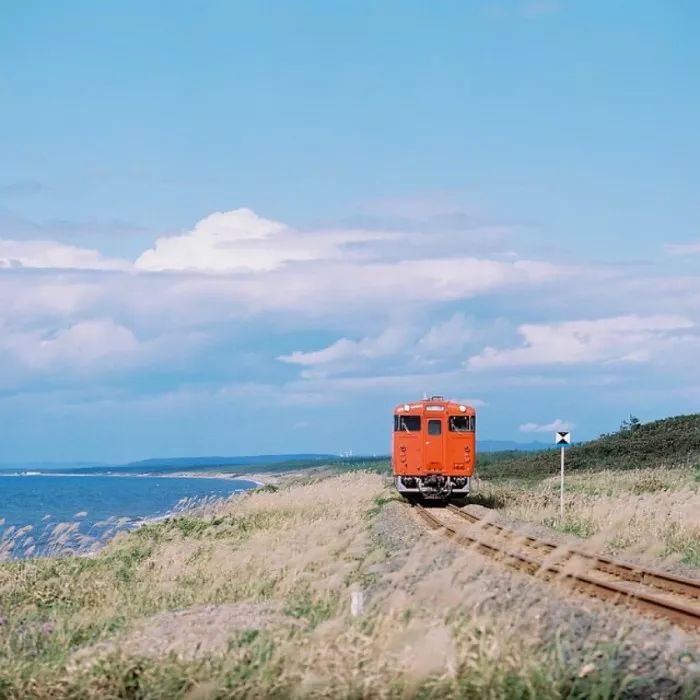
669, 441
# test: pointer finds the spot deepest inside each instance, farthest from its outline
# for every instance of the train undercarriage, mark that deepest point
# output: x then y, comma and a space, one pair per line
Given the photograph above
433, 487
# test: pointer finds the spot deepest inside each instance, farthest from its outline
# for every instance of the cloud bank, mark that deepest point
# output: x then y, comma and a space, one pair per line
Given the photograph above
244, 307
618, 339
52, 255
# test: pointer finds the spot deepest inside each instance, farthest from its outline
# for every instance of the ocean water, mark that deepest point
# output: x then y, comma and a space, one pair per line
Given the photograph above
58, 514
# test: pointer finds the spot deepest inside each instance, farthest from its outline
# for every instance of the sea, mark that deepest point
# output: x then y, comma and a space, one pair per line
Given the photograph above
56, 514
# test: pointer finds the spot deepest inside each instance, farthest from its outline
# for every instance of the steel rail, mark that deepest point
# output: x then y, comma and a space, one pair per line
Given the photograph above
679, 612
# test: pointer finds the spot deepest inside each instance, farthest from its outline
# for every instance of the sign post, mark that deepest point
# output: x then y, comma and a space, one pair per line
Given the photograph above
562, 439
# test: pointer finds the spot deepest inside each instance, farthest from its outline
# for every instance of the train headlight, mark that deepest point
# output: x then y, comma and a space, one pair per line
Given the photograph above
406, 407
462, 408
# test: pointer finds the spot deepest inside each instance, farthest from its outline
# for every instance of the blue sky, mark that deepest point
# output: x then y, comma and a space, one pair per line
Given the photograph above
235, 227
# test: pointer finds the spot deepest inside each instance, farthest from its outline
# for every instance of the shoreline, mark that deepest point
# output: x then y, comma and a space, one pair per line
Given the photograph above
247, 484
225, 476
253, 481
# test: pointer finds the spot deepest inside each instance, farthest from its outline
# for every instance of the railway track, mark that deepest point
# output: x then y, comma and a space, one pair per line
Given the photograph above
673, 597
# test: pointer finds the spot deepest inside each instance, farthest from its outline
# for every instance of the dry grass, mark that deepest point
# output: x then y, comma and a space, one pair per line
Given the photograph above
650, 513
250, 598
58, 539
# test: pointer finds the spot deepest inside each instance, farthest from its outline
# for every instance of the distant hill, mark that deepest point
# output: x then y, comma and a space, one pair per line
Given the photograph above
248, 460
171, 465
670, 441
510, 445
46, 466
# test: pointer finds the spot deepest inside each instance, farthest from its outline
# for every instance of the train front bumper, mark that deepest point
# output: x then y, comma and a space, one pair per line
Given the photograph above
433, 485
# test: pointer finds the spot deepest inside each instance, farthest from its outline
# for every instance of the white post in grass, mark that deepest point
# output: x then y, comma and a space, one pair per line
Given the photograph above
357, 603
562, 438
561, 488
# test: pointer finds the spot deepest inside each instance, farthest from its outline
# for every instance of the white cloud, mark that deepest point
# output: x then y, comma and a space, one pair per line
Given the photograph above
332, 294
692, 248
278, 267
388, 286
555, 426
411, 386
403, 344
320, 273
390, 342
242, 240
623, 338
451, 336
83, 346
91, 347
221, 241
49, 254
43, 297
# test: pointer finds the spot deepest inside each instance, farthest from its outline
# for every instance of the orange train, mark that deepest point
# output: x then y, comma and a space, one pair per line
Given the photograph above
433, 452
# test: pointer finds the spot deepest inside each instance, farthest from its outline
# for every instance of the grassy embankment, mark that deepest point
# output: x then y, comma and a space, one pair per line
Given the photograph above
637, 490
251, 599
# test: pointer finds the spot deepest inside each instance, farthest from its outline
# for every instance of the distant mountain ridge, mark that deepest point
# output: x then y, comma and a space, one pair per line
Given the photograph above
165, 465
224, 461
510, 445
48, 466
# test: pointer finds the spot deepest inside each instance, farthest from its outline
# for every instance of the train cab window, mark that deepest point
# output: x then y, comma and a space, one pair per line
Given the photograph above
459, 424
434, 427
409, 424
462, 424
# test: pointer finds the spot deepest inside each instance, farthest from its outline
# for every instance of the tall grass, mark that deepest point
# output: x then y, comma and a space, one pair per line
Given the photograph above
652, 512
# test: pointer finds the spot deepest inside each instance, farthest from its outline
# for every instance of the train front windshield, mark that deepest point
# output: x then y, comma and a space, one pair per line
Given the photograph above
462, 424
408, 424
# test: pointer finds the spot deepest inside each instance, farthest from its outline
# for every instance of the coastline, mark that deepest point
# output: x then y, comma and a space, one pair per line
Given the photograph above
253, 478
92, 542
227, 476
250, 482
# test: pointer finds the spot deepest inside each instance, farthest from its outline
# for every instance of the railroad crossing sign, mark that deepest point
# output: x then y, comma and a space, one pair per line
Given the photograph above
562, 438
